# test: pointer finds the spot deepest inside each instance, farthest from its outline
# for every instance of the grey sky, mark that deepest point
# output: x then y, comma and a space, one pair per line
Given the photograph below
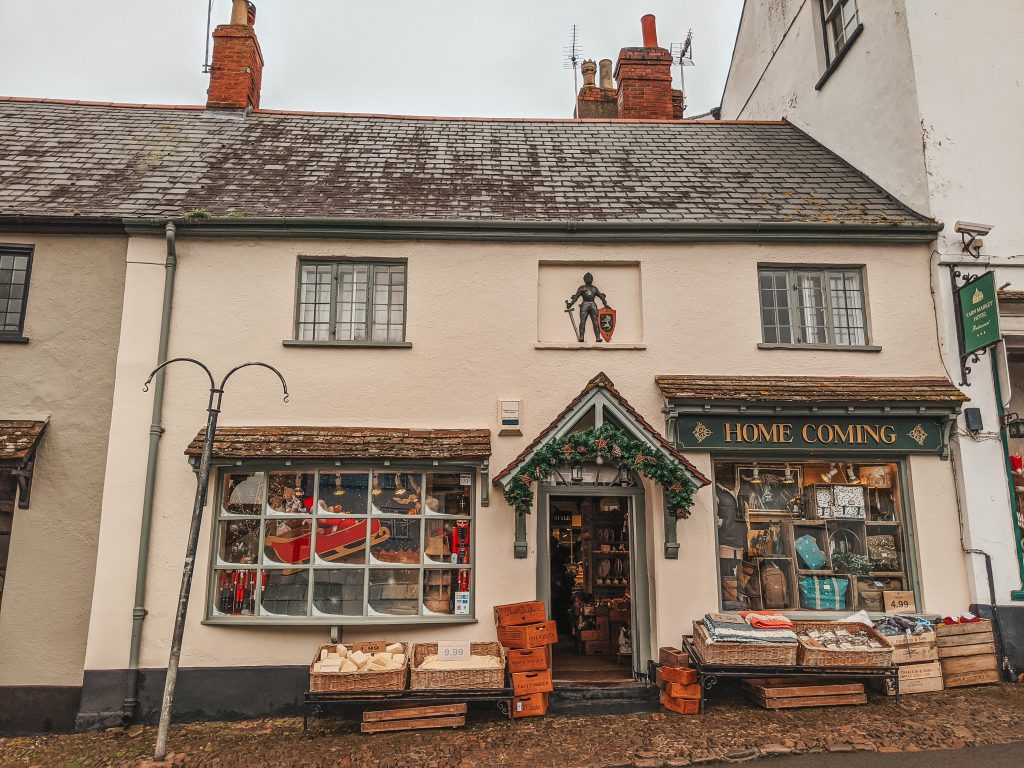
486, 58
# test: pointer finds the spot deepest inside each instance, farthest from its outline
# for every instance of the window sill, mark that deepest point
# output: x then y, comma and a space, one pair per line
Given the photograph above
332, 621
822, 347
13, 339
370, 344
587, 345
839, 58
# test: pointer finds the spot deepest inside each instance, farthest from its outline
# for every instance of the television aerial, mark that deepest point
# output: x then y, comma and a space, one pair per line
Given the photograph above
682, 54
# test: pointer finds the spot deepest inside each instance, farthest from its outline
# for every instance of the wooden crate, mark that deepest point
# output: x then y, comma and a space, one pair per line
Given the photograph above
517, 614
680, 691
532, 705
782, 693
414, 718
967, 654
913, 649
528, 635
673, 656
681, 675
681, 706
529, 659
958, 679
524, 683
923, 677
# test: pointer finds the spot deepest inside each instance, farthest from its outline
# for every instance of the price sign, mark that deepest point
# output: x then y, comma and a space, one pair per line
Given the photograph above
899, 602
462, 603
453, 650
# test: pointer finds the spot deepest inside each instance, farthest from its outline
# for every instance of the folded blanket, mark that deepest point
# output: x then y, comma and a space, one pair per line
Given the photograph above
732, 628
766, 620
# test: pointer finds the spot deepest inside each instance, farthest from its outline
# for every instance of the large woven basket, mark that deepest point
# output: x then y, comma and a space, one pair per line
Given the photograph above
459, 679
344, 682
820, 657
742, 654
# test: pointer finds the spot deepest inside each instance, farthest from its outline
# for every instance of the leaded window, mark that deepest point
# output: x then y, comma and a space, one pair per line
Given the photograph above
351, 301
15, 268
839, 19
373, 544
822, 307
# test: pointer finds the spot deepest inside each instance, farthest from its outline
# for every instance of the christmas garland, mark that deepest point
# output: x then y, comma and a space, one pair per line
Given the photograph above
600, 444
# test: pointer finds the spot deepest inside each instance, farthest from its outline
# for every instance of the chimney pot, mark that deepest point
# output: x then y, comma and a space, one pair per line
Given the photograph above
647, 23
240, 12
251, 14
606, 74
589, 70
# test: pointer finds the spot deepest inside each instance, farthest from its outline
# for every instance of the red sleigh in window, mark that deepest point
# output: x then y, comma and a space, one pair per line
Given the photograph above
336, 538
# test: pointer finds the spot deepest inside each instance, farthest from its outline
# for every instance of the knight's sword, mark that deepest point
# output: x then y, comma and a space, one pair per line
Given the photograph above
572, 320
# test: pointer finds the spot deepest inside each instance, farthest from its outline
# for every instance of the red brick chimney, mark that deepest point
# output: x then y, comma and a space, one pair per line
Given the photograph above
593, 101
644, 76
237, 67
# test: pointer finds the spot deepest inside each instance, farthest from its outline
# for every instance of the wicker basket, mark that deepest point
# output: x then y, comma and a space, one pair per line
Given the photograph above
464, 679
741, 654
821, 657
343, 682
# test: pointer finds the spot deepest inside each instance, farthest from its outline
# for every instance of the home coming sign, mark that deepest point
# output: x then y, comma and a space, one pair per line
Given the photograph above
807, 435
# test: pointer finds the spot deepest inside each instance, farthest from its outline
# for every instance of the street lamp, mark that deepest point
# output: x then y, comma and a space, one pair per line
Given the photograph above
213, 410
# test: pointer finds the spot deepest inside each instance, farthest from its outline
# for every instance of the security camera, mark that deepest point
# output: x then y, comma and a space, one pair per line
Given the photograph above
971, 229
971, 235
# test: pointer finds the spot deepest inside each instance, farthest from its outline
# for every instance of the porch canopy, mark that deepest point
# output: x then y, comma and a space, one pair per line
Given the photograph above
599, 411
18, 443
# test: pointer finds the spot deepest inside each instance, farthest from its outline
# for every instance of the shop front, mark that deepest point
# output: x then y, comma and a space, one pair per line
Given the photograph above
824, 490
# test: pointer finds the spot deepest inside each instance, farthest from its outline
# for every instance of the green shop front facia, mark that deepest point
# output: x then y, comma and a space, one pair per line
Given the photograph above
808, 434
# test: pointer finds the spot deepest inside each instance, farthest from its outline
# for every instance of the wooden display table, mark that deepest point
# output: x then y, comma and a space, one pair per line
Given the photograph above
317, 702
708, 675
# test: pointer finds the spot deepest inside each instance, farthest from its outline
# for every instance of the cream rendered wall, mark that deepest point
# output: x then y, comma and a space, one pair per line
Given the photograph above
234, 302
879, 135
65, 373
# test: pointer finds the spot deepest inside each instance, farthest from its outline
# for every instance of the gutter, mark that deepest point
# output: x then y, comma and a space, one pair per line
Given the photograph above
551, 231
131, 702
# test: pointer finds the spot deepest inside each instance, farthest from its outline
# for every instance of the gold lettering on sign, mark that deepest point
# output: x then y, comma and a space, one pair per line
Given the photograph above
785, 433
730, 430
888, 434
808, 433
811, 434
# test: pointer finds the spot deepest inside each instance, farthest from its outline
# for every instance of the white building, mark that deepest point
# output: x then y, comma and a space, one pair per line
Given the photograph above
925, 97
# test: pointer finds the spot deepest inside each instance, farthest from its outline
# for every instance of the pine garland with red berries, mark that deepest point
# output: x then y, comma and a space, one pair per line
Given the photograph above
610, 444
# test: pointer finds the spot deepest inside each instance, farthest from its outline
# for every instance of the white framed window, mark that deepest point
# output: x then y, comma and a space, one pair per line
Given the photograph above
814, 306
839, 20
343, 545
351, 301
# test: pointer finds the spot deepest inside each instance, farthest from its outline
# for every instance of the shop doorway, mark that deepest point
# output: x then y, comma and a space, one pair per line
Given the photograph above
591, 544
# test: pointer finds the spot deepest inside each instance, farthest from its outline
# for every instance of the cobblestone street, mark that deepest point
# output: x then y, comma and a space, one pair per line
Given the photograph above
733, 731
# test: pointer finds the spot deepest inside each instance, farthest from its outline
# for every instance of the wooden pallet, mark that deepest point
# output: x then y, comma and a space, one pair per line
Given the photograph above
414, 718
780, 693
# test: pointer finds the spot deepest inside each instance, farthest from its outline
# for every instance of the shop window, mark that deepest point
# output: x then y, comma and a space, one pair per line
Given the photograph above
15, 269
840, 20
367, 545
813, 307
820, 536
349, 301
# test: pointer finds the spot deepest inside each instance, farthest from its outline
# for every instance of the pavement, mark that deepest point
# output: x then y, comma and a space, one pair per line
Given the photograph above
994, 756
968, 726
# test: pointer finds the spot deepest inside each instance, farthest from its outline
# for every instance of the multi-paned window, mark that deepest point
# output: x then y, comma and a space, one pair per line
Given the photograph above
15, 269
348, 545
813, 306
351, 301
839, 19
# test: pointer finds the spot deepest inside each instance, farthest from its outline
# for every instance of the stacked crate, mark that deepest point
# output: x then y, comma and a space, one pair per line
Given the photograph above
524, 630
967, 653
917, 657
678, 682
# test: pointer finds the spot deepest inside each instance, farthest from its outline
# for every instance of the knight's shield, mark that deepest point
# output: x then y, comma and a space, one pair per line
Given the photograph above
606, 322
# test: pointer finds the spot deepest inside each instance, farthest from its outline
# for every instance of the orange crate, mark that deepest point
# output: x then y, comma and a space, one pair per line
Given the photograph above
683, 675
529, 659
516, 614
533, 705
680, 691
682, 706
528, 635
532, 682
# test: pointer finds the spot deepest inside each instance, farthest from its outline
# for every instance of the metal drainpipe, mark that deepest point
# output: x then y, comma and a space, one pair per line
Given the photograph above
131, 703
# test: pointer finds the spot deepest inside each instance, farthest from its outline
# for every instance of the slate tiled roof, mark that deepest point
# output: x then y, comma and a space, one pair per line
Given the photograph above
18, 438
68, 158
809, 389
345, 442
600, 380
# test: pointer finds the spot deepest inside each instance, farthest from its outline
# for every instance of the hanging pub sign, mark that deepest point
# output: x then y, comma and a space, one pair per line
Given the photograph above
978, 314
876, 435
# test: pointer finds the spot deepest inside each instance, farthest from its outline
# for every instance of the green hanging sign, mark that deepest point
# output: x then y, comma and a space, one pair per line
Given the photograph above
978, 308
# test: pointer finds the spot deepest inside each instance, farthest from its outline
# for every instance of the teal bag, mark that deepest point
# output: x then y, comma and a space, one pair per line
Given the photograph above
823, 593
809, 552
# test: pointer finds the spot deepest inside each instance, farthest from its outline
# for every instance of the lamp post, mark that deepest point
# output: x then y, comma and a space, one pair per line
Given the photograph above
213, 411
